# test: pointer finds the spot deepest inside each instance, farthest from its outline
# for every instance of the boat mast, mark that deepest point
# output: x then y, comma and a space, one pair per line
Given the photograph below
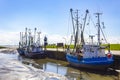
29, 38
26, 36
77, 29
22, 39
71, 11
98, 24
39, 42
34, 34
85, 19
82, 30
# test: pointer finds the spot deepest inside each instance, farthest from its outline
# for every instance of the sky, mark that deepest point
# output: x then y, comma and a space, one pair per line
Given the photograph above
52, 18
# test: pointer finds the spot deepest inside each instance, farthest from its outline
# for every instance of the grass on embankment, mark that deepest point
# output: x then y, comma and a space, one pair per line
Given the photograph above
1, 47
112, 46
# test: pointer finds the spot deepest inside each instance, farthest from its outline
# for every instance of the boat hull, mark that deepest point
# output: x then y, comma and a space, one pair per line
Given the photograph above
92, 63
90, 66
20, 51
41, 54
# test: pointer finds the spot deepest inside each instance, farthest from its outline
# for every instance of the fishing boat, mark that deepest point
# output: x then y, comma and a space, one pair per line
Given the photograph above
29, 46
87, 54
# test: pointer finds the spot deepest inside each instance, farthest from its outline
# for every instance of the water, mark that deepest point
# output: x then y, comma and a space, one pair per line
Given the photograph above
15, 67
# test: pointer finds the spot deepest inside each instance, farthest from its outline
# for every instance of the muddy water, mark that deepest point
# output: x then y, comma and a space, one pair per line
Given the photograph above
12, 68
15, 67
72, 73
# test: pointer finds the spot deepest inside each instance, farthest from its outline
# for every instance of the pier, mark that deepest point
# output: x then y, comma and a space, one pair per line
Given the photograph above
58, 54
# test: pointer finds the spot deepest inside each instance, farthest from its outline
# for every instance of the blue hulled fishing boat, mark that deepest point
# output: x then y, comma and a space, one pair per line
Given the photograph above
88, 54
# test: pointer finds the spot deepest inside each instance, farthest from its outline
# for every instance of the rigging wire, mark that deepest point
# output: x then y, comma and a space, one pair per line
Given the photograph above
88, 23
93, 22
103, 35
101, 30
89, 20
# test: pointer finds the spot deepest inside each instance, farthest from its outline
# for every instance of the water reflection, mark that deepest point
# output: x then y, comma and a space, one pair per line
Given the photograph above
59, 67
56, 68
87, 74
12, 68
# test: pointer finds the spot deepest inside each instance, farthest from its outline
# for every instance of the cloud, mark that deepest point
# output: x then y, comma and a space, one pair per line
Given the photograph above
56, 39
114, 39
9, 38
12, 38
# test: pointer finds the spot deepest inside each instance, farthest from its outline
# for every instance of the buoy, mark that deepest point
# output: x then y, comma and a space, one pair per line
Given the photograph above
109, 55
